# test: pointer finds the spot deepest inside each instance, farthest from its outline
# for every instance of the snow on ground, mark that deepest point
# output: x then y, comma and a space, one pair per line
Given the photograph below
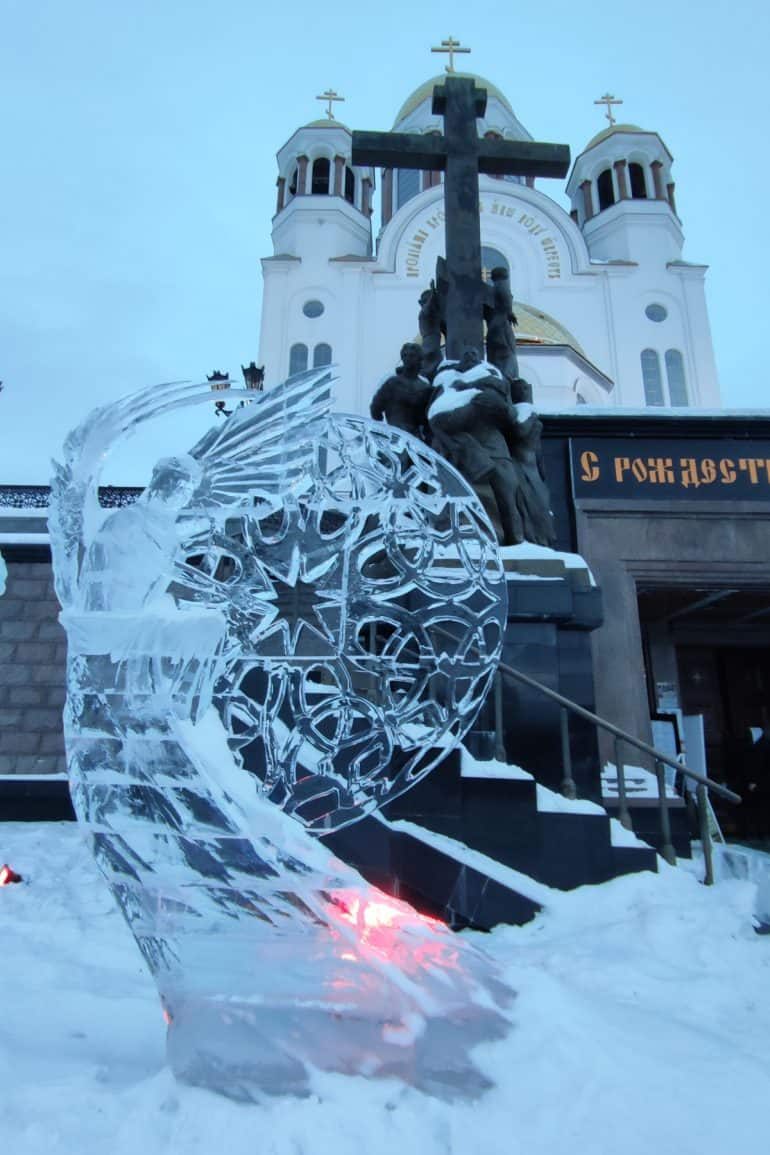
641, 1026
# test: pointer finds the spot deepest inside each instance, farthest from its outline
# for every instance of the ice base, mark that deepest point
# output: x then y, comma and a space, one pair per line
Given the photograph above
248, 1051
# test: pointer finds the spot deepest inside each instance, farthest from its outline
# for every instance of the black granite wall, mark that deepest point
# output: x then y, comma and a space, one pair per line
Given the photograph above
32, 668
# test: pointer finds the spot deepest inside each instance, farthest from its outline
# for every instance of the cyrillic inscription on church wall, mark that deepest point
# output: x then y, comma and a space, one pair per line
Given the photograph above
520, 219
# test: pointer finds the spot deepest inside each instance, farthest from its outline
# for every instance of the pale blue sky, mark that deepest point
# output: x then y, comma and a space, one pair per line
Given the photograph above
138, 164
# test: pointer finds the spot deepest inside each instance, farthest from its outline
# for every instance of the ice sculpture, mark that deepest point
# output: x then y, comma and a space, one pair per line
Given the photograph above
294, 623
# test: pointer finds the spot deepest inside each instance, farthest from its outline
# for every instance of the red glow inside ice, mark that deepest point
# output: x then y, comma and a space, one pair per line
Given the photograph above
393, 930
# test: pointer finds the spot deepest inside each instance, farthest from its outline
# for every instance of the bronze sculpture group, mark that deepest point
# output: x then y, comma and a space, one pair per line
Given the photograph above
477, 413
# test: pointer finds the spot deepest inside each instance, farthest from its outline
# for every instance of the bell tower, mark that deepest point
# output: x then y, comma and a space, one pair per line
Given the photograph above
323, 205
322, 234
622, 196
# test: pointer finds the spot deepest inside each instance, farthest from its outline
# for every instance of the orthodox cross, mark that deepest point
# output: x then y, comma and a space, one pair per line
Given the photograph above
451, 46
609, 100
461, 155
331, 96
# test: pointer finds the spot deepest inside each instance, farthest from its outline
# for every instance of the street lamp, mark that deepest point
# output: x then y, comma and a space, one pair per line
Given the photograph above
254, 379
253, 376
219, 381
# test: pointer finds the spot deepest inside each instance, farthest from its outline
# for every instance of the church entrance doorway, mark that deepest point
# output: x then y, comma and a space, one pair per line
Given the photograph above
707, 653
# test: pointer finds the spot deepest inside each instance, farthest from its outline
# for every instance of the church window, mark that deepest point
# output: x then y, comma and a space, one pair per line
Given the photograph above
408, 185
322, 355
313, 308
297, 359
432, 177
495, 136
320, 183
638, 183
492, 259
677, 386
651, 377
605, 189
656, 312
350, 186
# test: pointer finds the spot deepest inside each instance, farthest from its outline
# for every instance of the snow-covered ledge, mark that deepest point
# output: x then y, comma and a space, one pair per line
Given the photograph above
531, 561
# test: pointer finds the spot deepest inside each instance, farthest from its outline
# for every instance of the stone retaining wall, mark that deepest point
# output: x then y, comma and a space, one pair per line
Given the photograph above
32, 671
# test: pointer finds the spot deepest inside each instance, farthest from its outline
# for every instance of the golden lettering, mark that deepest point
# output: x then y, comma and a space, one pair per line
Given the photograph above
689, 467
622, 465
589, 463
661, 471
751, 465
708, 471
727, 471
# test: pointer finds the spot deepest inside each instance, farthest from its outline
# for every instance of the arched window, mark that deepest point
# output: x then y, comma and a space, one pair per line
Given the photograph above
677, 386
320, 182
492, 259
605, 189
653, 382
322, 355
297, 359
408, 185
638, 183
293, 183
350, 186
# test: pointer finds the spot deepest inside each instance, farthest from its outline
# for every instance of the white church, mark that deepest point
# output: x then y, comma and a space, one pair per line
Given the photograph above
609, 313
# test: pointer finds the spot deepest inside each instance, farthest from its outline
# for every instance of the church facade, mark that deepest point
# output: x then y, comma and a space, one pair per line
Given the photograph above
664, 494
609, 312
670, 505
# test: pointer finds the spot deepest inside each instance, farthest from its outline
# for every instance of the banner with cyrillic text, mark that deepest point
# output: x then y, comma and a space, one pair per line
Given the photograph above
649, 469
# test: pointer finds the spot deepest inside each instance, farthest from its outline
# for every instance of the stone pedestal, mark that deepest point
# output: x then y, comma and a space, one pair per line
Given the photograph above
551, 615
553, 606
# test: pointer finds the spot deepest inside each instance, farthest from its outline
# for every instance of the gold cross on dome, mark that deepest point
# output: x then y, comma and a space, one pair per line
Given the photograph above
330, 95
451, 46
609, 100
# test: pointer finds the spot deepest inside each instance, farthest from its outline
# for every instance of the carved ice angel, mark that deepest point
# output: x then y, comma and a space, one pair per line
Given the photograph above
120, 561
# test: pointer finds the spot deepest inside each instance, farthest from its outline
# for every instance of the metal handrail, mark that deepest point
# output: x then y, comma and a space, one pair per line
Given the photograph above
568, 787
704, 784
658, 755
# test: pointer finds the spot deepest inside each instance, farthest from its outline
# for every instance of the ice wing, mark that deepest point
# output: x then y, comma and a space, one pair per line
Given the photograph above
268, 444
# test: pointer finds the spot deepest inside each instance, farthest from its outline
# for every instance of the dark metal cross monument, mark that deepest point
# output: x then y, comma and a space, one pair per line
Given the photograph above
461, 155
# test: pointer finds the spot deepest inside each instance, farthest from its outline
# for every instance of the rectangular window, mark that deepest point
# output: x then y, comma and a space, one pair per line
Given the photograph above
408, 185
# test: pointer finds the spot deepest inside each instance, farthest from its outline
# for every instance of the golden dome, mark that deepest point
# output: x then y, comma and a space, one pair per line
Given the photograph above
538, 328
324, 122
533, 327
425, 91
609, 131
